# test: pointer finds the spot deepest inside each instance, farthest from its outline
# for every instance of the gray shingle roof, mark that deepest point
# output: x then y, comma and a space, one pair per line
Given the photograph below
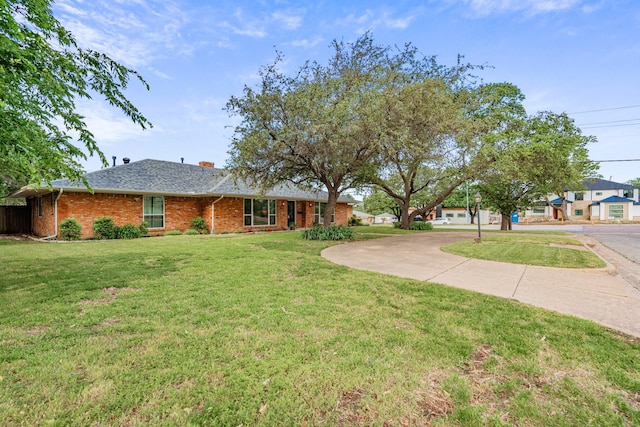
170, 178
603, 184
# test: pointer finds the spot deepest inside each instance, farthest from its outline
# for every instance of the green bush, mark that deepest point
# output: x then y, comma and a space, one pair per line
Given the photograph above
191, 232
70, 229
354, 221
419, 225
173, 233
104, 228
397, 224
199, 224
335, 232
127, 231
143, 228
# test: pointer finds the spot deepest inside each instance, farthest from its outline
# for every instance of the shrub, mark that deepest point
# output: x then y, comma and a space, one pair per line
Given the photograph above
199, 224
173, 233
354, 221
335, 232
419, 225
104, 228
143, 228
191, 232
397, 224
70, 229
127, 231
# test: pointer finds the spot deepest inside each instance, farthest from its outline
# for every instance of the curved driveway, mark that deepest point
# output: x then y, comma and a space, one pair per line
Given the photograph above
603, 295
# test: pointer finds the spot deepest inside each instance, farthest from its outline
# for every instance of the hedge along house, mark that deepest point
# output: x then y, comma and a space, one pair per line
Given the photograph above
168, 195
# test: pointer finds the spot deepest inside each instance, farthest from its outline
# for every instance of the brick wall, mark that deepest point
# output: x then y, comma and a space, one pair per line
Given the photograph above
44, 225
128, 209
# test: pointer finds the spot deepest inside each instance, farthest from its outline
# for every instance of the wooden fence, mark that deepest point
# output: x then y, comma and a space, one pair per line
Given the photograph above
15, 220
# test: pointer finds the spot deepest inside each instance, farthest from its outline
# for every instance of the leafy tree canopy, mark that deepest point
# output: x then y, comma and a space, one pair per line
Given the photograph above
635, 181
546, 155
43, 72
315, 127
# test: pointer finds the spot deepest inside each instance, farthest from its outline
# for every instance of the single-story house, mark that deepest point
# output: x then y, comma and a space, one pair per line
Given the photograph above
385, 218
168, 195
364, 217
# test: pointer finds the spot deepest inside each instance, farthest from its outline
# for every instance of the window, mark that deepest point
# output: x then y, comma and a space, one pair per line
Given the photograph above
154, 211
578, 212
461, 215
259, 212
628, 194
598, 193
579, 196
39, 206
616, 211
449, 215
538, 210
319, 214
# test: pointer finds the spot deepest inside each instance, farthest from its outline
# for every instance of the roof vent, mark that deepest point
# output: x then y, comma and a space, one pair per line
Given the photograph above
114, 160
125, 160
206, 164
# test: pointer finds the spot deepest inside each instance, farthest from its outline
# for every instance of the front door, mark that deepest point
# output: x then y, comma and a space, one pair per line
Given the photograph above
291, 214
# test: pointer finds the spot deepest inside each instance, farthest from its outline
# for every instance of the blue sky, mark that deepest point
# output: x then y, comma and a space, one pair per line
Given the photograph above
576, 56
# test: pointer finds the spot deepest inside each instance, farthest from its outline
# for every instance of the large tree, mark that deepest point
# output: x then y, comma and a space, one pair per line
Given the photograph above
43, 73
315, 127
439, 131
547, 155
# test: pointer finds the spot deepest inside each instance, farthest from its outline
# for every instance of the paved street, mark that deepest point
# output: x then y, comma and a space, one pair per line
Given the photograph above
624, 239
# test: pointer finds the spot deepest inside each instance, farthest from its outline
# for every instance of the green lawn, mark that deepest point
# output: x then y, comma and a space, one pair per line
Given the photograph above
260, 330
546, 251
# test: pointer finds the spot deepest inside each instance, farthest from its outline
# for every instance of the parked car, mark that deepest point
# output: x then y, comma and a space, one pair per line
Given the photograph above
440, 220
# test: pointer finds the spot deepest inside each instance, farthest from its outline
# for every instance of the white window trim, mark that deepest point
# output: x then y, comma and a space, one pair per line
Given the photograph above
316, 213
269, 213
144, 215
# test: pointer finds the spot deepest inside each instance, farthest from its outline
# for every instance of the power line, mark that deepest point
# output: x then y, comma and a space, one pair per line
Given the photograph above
609, 126
610, 121
605, 109
620, 160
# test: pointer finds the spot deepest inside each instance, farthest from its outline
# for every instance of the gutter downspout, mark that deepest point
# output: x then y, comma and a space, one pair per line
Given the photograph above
213, 209
55, 218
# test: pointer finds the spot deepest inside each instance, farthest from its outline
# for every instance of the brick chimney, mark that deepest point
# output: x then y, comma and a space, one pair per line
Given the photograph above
206, 164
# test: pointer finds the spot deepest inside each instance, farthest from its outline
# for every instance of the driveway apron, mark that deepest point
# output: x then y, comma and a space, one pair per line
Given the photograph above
602, 295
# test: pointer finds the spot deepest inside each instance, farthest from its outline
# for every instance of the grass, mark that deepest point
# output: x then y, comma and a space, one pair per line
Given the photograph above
546, 251
261, 330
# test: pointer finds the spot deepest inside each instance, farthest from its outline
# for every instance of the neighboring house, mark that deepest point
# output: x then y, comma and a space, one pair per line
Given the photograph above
169, 195
599, 200
364, 217
385, 218
456, 215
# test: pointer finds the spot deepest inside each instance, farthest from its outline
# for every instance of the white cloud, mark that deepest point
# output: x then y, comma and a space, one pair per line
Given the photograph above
289, 21
107, 126
306, 43
134, 33
487, 7
372, 19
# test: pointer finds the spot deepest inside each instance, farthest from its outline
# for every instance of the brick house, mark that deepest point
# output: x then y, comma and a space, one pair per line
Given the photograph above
168, 195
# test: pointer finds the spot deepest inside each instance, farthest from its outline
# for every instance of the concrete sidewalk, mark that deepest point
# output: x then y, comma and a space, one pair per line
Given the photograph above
602, 295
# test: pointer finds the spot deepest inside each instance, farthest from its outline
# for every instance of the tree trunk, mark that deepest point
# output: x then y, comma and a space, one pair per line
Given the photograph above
405, 220
331, 207
506, 222
563, 209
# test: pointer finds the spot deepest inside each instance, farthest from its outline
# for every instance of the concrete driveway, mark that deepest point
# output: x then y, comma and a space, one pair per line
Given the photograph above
603, 295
